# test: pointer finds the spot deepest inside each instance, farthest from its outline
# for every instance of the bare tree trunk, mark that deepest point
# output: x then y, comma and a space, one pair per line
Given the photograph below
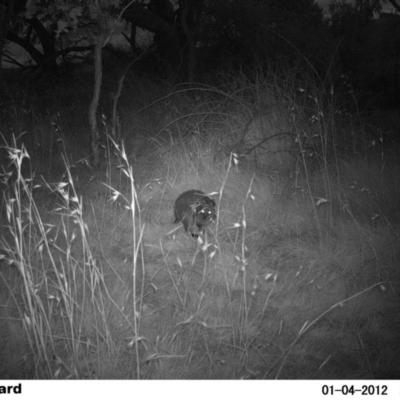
98, 76
186, 16
115, 124
6, 13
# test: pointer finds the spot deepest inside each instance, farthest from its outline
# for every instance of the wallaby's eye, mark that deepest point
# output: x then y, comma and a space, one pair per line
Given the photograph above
205, 212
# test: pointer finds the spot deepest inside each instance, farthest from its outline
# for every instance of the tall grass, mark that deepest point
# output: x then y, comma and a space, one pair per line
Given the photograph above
64, 293
297, 278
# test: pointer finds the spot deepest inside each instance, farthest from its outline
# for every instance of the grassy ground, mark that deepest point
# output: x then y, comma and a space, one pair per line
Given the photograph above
298, 278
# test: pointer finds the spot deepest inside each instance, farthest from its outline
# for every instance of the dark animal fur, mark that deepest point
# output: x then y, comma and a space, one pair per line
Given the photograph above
194, 208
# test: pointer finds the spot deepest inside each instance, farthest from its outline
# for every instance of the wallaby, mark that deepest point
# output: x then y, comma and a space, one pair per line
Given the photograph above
192, 208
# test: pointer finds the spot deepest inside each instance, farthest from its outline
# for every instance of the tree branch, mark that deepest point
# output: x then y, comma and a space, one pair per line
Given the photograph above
36, 55
12, 61
395, 5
